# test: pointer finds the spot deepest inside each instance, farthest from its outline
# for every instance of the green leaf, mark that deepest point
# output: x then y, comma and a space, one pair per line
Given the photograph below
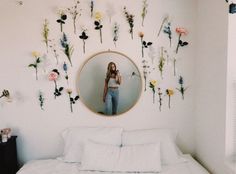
32, 65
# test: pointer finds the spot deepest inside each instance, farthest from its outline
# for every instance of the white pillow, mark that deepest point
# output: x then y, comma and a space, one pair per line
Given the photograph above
169, 154
76, 137
135, 158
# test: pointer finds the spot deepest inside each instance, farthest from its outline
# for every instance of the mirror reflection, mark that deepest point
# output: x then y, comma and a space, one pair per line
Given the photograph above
109, 83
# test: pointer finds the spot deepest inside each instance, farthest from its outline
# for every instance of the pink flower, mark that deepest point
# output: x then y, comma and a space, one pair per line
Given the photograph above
180, 30
53, 76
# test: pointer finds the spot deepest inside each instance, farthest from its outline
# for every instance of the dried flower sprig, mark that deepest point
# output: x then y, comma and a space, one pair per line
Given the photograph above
5, 93
165, 19
62, 19
84, 37
167, 30
115, 33
91, 8
72, 100
152, 85
145, 73
181, 89
169, 93
46, 33
41, 100
68, 49
97, 23
161, 62
53, 76
141, 35
36, 55
54, 50
181, 31
160, 98
110, 11
174, 64
144, 11
145, 45
75, 13
65, 68
130, 20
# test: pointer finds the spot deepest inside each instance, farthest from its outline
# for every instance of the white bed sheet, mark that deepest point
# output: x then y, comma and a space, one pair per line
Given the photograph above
54, 166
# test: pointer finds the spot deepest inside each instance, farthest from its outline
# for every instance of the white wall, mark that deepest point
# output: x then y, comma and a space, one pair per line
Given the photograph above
39, 131
210, 82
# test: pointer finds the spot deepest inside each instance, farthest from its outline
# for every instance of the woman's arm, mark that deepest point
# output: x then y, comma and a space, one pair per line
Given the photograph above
105, 91
118, 77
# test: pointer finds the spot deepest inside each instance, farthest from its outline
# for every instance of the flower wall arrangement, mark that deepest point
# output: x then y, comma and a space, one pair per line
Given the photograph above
72, 100
75, 13
36, 55
160, 98
41, 100
83, 37
161, 62
130, 20
169, 93
167, 30
46, 33
181, 89
115, 33
144, 11
68, 49
98, 25
181, 31
53, 76
152, 85
62, 19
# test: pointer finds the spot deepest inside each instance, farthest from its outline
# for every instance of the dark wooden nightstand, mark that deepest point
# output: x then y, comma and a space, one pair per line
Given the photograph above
8, 157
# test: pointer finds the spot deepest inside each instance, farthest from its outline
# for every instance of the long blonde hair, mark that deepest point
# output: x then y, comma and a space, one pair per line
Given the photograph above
109, 69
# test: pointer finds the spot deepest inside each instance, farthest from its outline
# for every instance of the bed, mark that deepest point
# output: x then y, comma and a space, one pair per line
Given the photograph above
112, 150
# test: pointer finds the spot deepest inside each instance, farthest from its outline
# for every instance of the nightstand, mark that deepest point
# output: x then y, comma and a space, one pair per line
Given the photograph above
8, 157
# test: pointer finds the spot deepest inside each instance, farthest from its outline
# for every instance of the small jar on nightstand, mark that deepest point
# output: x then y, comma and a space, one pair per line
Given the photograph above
8, 156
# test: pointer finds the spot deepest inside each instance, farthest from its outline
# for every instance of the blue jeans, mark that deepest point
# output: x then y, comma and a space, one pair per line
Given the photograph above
111, 101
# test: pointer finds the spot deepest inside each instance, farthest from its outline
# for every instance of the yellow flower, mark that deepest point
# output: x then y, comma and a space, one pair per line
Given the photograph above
69, 91
141, 34
35, 54
170, 92
98, 16
153, 82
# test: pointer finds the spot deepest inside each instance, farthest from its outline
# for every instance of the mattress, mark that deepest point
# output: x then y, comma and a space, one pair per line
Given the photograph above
54, 166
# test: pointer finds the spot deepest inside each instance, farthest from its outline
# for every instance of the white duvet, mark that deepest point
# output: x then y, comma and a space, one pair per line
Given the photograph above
54, 166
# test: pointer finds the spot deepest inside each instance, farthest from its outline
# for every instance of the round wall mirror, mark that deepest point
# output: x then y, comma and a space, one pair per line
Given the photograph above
109, 83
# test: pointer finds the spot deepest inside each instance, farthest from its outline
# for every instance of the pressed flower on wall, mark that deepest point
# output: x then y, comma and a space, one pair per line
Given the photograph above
160, 98
167, 30
65, 68
84, 37
46, 33
130, 20
115, 33
165, 19
72, 100
75, 13
5, 93
181, 31
144, 11
145, 45
141, 35
36, 55
161, 62
97, 23
181, 89
41, 100
62, 19
110, 11
53, 76
91, 8
54, 50
152, 85
145, 73
68, 49
169, 93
